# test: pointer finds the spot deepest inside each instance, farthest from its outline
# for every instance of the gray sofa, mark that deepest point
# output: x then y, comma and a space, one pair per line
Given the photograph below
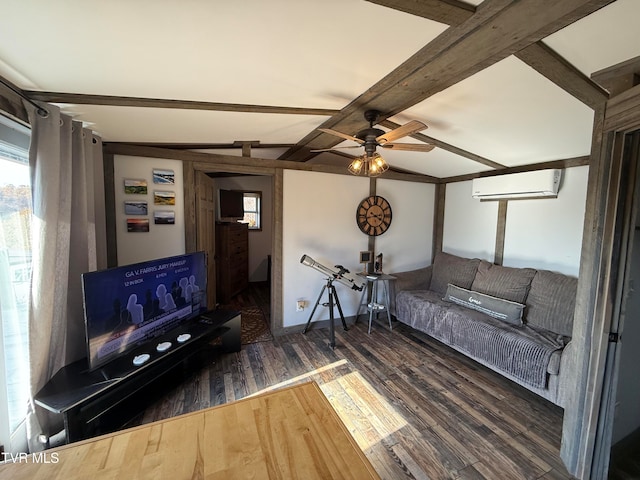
516, 321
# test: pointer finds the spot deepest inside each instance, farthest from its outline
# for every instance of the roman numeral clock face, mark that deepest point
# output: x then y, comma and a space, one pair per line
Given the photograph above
373, 215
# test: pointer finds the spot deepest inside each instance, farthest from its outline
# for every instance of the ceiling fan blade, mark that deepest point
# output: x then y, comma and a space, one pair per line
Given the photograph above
341, 135
407, 129
414, 147
335, 148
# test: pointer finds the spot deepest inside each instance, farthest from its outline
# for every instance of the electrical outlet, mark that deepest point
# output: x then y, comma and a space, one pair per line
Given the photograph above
300, 305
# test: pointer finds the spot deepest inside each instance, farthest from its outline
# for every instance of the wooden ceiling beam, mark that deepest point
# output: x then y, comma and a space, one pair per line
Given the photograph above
620, 77
119, 101
551, 65
446, 146
449, 12
238, 164
205, 146
538, 55
11, 102
564, 163
498, 29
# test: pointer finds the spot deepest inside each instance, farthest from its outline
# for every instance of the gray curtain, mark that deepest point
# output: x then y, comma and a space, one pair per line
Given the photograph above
64, 159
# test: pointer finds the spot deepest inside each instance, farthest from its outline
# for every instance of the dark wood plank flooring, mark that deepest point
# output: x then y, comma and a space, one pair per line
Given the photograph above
625, 458
416, 408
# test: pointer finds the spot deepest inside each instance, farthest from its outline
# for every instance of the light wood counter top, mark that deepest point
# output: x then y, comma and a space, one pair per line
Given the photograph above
289, 433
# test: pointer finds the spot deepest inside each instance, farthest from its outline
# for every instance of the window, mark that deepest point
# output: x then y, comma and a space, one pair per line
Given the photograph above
15, 277
252, 210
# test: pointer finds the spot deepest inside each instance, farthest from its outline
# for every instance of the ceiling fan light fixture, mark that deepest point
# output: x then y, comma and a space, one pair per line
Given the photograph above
377, 165
371, 166
355, 167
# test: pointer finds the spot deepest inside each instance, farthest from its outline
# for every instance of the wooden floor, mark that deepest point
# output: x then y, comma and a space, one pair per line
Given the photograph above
415, 407
625, 458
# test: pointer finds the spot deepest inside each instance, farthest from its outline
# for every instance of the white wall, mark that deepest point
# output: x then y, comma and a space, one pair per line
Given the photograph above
539, 233
161, 240
547, 233
469, 225
408, 243
260, 241
319, 221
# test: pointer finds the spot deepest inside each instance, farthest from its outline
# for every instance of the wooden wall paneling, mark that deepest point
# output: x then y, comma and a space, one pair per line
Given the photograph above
371, 245
623, 111
591, 257
277, 323
500, 231
189, 187
438, 218
110, 209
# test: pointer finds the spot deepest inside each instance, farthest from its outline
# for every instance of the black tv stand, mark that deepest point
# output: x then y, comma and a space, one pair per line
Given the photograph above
103, 400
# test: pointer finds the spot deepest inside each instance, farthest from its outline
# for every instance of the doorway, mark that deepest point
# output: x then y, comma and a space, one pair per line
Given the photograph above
253, 299
625, 422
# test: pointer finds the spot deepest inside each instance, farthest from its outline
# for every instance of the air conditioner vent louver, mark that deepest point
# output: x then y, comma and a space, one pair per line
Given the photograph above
538, 183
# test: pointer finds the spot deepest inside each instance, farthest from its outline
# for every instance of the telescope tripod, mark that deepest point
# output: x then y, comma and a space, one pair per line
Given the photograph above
333, 299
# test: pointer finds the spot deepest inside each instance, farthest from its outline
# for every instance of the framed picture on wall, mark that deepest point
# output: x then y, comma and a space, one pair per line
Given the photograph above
164, 217
164, 198
137, 224
135, 208
135, 186
163, 176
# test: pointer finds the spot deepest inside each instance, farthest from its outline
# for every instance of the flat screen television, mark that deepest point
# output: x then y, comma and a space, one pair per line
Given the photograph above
231, 205
124, 307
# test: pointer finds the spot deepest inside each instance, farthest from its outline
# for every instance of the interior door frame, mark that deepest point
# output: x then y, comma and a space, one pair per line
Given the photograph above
276, 174
600, 288
625, 146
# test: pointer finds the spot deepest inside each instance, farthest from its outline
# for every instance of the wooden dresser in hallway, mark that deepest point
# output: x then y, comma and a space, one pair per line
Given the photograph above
232, 259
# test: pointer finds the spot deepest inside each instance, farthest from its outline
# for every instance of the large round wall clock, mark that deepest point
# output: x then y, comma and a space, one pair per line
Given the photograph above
373, 215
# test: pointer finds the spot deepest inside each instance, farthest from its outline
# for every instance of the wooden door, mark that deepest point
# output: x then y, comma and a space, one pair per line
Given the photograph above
205, 229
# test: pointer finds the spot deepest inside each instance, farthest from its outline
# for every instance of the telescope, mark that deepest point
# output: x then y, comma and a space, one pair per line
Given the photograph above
338, 273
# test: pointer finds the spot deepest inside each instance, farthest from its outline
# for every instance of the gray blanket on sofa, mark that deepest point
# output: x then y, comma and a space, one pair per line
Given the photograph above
521, 351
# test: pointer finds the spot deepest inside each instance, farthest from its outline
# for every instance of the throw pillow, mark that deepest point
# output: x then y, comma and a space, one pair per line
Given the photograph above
551, 302
505, 310
449, 268
503, 282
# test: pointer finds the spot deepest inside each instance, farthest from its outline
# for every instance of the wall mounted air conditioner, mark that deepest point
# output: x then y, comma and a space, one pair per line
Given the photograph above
538, 183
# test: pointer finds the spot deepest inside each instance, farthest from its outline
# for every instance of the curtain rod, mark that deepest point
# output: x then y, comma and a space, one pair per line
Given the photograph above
43, 112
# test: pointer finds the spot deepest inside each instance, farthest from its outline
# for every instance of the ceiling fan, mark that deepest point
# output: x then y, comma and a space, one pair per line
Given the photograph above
371, 163
371, 138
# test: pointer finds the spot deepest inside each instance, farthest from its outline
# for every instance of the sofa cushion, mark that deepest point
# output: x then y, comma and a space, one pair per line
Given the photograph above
503, 282
449, 268
418, 279
551, 301
522, 352
505, 310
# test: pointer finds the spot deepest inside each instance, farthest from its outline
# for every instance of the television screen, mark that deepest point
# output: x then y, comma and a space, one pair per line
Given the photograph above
129, 305
231, 204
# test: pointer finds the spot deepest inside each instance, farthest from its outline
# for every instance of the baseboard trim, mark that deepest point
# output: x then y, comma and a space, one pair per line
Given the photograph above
316, 324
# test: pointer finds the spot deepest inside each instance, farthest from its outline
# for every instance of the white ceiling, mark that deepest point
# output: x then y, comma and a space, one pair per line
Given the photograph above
298, 53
